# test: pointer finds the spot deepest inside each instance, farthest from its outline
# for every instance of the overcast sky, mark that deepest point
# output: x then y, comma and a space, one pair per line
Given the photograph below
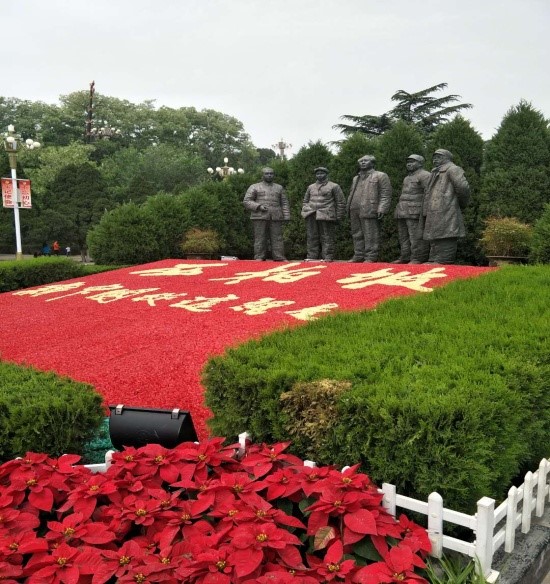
286, 68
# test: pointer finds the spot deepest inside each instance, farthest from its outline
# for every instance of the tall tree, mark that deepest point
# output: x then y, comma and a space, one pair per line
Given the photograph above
516, 172
420, 108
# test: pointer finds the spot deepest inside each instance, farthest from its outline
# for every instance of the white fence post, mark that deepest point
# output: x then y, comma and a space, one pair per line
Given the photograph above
528, 485
435, 523
541, 486
511, 512
484, 533
388, 502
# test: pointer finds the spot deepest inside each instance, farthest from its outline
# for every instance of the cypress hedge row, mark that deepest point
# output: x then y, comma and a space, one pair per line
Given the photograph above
15, 275
447, 391
43, 412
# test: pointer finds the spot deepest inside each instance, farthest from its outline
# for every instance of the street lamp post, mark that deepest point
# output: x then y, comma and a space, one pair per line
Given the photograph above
282, 146
225, 171
13, 143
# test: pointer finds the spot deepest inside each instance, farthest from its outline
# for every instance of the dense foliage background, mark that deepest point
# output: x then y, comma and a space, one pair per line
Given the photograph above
136, 194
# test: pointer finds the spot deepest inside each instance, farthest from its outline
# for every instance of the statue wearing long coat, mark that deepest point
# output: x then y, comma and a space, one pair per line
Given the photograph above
447, 194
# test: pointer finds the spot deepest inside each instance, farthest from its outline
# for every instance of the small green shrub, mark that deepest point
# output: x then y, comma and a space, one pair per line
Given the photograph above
506, 237
450, 391
540, 244
43, 412
197, 241
310, 410
15, 275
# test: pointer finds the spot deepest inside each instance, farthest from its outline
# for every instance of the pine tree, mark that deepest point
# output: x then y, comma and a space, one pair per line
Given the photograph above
516, 173
466, 145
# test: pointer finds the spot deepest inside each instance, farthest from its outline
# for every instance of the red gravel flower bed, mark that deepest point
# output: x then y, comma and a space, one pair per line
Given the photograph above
141, 335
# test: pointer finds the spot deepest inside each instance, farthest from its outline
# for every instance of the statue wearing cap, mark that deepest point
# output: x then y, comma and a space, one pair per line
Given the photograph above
368, 202
408, 211
324, 204
447, 194
269, 208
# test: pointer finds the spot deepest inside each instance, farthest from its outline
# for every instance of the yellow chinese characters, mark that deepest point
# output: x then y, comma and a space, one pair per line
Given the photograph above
179, 270
203, 304
282, 274
386, 277
261, 306
311, 312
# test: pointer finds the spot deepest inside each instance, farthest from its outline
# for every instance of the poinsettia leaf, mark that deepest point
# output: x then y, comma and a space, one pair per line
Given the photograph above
247, 560
305, 503
42, 500
362, 521
323, 537
366, 549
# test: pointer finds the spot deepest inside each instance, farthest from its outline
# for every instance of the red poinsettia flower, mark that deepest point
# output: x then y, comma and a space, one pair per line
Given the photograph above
63, 566
14, 519
205, 456
414, 536
282, 483
332, 503
261, 459
116, 563
398, 566
312, 478
10, 572
253, 540
209, 567
84, 497
72, 529
14, 545
156, 460
333, 565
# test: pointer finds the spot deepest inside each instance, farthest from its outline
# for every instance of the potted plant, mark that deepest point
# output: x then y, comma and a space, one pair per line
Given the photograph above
201, 244
506, 240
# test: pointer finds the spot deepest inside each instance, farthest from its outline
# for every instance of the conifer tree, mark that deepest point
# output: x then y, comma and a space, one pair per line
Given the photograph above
516, 173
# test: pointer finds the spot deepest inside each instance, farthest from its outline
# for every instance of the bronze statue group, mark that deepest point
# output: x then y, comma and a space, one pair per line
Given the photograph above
428, 213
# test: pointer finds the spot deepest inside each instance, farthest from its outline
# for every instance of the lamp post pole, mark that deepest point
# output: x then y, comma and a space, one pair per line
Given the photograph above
225, 171
282, 146
12, 145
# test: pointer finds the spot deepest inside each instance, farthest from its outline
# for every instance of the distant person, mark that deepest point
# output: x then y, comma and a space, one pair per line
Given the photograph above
446, 195
269, 208
408, 211
46, 250
368, 202
68, 251
55, 247
324, 204
84, 254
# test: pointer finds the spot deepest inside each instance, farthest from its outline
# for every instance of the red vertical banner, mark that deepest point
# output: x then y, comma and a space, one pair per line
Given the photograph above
7, 192
24, 188
24, 193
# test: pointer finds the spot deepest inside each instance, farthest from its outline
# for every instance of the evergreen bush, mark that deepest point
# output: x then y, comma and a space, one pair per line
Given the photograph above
43, 412
506, 237
540, 243
15, 275
449, 391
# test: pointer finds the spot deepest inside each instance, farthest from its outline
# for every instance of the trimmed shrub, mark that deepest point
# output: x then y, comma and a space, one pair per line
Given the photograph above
15, 275
43, 412
540, 244
450, 391
506, 237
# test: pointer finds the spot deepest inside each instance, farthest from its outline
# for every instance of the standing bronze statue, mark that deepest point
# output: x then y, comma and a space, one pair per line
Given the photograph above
368, 202
269, 208
446, 195
324, 204
408, 211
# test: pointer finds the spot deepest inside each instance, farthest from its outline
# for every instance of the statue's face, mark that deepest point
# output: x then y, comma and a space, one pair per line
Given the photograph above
366, 164
413, 165
269, 175
439, 159
321, 176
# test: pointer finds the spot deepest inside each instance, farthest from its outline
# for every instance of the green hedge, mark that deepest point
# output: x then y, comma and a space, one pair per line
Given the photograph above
17, 274
42, 412
450, 391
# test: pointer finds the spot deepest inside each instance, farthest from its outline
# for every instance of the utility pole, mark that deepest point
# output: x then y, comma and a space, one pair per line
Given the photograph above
88, 135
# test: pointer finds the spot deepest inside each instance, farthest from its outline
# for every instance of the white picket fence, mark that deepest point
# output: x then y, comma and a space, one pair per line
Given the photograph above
492, 527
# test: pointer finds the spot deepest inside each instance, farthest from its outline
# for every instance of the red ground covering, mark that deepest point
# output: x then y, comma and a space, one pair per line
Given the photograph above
141, 335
